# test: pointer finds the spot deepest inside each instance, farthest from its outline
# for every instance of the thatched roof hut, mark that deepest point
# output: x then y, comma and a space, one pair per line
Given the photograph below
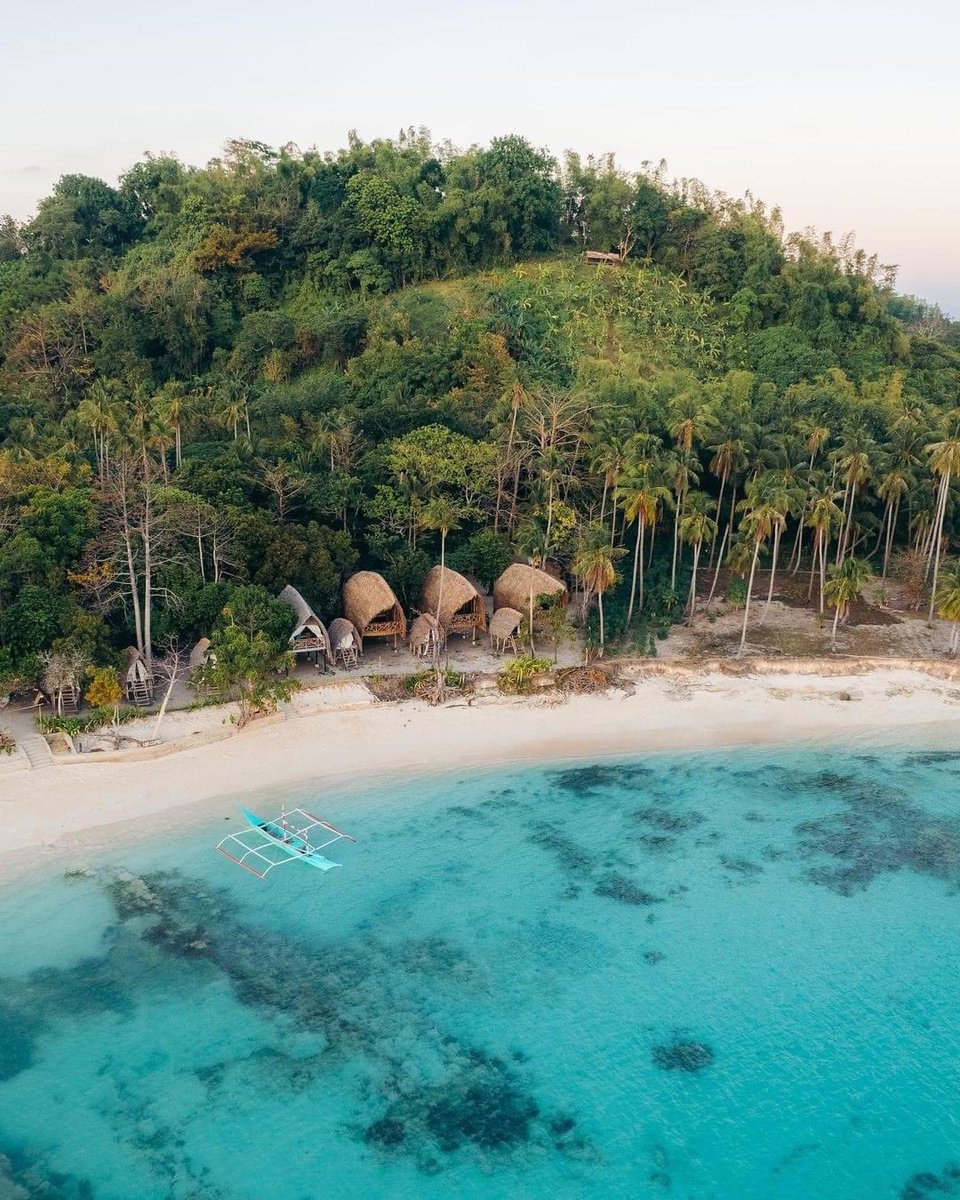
520, 585
426, 636
200, 655
461, 607
372, 607
137, 680
346, 644
309, 634
503, 629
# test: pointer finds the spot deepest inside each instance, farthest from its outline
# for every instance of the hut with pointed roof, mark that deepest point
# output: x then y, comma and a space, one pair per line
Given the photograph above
503, 629
458, 606
373, 608
522, 586
427, 636
137, 680
309, 634
201, 654
346, 644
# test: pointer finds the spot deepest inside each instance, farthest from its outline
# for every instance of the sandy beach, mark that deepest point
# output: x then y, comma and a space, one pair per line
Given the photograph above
341, 739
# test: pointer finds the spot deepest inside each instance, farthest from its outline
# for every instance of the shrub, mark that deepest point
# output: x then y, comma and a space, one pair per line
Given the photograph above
736, 593
517, 674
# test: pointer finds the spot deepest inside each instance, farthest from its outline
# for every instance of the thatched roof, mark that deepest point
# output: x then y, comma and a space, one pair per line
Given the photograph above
519, 582
458, 594
369, 600
136, 665
424, 630
308, 625
200, 653
504, 623
344, 633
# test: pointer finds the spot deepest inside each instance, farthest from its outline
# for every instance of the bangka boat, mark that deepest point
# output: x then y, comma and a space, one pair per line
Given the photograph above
291, 837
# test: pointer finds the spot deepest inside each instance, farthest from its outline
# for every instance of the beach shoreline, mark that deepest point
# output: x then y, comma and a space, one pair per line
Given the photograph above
88, 804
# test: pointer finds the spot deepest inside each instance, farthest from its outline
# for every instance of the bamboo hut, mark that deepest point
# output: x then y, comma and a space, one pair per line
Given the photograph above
521, 587
503, 629
459, 608
373, 608
309, 634
603, 258
345, 643
137, 680
201, 654
426, 636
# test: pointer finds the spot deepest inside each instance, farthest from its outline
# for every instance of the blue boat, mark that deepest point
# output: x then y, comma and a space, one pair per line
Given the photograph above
272, 842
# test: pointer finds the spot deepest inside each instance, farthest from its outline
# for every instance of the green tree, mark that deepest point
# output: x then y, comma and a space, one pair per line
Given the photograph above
249, 668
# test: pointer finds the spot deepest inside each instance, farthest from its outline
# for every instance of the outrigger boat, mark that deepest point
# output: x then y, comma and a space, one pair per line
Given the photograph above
287, 838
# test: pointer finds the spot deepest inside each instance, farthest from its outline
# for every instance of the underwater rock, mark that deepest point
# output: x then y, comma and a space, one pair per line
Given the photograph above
881, 832
23, 1178
742, 866
653, 957
667, 821
618, 887
570, 856
683, 1056
586, 781
925, 1185
478, 1107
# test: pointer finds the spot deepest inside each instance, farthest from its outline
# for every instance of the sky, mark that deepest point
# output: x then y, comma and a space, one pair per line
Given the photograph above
844, 114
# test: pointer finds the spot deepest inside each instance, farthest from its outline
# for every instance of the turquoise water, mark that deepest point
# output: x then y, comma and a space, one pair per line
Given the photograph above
722, 975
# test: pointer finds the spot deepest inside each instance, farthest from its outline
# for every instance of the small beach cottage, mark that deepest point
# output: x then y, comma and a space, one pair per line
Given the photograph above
137, 680
345, 643
426, 636
373, 608
309, 634
503, 629
521, 586
458, 606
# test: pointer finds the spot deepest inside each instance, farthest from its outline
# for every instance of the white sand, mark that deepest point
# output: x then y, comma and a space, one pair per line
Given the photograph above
311, 740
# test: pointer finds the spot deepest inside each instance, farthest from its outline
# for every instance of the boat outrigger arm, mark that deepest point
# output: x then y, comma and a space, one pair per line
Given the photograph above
294, 836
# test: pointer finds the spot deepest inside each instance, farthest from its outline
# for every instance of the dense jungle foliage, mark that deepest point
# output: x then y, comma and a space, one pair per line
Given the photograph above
286, 365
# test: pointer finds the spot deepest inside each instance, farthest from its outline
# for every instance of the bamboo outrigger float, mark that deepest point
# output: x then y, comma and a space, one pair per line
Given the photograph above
285, 839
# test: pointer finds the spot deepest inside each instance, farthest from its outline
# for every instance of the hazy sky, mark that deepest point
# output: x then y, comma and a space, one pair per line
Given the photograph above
843, 113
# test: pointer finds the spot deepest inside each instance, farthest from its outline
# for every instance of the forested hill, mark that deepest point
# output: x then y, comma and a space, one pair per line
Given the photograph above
215, 381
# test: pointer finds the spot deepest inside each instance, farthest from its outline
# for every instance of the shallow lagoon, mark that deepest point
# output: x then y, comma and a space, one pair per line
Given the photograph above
720, 975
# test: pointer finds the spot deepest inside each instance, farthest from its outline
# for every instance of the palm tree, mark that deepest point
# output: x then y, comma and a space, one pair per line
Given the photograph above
594, 567
643, 492
945, 461
823, 516
948, 602
844, 588
440, 513
696, 526
684, 471
757, 524
854, 461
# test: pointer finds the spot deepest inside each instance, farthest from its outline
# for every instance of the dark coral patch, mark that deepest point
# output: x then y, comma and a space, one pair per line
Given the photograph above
618, 887
680, 1055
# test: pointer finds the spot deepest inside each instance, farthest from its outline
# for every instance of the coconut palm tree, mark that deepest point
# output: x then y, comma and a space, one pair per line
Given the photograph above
823, 516
440, 514
945, 461
844, 588
948, 602
643, 492
697, 525
594, 567
757, 525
